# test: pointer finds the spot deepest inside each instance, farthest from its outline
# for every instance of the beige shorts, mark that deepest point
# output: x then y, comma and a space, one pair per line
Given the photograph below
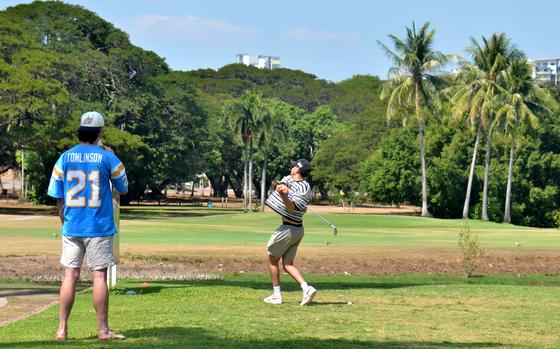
98, 250
285, 241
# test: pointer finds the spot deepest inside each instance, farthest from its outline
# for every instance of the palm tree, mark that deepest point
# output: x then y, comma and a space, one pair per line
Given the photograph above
490, 60
244, 115
472, 99
413, 84
467, 101
274, 130
522, 98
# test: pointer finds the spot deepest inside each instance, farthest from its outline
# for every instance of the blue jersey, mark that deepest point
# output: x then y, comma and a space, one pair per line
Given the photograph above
82, 177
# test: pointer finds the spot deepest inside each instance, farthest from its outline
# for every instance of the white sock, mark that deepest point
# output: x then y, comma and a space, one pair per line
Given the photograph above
304, 286
276, 290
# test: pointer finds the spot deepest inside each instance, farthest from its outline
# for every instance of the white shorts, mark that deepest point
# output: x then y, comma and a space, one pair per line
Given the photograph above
98, 250
285, 241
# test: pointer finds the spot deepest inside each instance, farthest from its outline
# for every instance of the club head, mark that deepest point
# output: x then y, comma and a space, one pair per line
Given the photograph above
335, 231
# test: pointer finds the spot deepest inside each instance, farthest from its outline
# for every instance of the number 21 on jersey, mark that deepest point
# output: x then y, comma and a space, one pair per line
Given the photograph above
73, 197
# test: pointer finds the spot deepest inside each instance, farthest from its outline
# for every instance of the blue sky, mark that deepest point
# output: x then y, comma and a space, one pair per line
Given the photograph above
331, 39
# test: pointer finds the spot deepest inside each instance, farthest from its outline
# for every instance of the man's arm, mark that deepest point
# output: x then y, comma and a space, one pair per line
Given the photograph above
283, 190
118, 176
60, 208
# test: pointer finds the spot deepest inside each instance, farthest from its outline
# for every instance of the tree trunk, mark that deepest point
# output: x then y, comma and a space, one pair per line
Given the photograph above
245, 173
425, 212
324, 192
250, 177
217, 182
471, 173
214, 185
486, 175
263, 181
236, 185
225, 185
507, 211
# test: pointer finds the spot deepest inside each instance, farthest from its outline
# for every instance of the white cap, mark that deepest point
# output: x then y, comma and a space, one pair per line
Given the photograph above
92, 119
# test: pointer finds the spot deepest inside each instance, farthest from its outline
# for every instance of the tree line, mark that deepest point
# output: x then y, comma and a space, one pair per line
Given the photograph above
495, 94
240, 125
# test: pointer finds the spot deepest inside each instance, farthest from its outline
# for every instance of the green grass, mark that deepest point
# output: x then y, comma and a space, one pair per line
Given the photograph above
387, 312
401, 311
193, 226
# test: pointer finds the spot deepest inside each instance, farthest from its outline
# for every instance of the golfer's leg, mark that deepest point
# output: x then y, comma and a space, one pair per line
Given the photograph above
274, 270
309, 292
276, 247
288, 262
67, 295
292, 270
101, 300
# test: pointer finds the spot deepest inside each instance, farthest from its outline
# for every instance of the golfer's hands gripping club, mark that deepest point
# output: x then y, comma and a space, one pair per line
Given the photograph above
282, 188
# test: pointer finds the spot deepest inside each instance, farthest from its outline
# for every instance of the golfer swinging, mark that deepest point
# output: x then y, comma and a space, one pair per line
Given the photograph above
290, 200
80, 182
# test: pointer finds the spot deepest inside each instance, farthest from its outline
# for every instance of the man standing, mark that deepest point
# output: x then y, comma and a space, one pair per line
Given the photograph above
81, 183
290, 200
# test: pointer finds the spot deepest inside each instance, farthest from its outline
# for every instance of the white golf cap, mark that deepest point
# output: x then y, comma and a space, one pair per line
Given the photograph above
91, 119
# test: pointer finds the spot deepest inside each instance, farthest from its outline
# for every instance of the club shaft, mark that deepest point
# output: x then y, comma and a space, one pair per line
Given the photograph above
323, 218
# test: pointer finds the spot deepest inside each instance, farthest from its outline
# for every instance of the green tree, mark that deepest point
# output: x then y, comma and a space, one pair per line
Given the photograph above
311, 129
222, 165
273, 131
413, 85
338, 159
388, 175
491, 59
521, 98
471, 101
59, 60
246, 115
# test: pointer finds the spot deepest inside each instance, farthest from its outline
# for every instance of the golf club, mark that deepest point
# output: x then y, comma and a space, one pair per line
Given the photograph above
335, 230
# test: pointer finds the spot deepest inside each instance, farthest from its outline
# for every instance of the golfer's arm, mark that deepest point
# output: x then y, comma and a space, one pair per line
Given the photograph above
60, 208
288, 203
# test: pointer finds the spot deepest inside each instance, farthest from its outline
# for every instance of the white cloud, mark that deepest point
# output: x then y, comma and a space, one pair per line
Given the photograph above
310, 35
191, 27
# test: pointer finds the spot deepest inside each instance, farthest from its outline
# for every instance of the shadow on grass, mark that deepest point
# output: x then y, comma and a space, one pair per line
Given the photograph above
34, 290
260, 283
147, 216
288, 286
26, 291
181, 337
17, 211
126, 213
315, 303
141, 290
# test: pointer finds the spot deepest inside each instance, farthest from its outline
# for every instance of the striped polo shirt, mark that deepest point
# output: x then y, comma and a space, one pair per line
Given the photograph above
299, 194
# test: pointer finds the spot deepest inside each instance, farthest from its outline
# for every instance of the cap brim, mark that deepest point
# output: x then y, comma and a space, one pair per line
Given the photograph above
89, 129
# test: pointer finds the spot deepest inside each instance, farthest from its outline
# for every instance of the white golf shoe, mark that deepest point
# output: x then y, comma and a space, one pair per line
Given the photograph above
273, 299
308, 295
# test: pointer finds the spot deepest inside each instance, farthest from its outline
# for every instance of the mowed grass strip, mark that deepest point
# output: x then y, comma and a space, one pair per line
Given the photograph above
254, 229
386, 312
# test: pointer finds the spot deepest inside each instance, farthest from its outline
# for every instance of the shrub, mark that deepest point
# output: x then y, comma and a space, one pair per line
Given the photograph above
472, 252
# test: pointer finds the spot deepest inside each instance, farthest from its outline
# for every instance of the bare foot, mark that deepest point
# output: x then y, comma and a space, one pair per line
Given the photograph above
61, 335
110, 336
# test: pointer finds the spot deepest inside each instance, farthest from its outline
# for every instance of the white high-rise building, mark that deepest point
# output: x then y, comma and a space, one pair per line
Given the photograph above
546, 69
259, 61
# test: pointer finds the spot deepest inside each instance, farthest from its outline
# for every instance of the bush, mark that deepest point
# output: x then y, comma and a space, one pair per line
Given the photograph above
471, 249
495, 211
556, 217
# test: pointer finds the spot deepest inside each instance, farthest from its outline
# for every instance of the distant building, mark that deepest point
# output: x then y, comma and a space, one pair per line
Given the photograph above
546, 69
259, 61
